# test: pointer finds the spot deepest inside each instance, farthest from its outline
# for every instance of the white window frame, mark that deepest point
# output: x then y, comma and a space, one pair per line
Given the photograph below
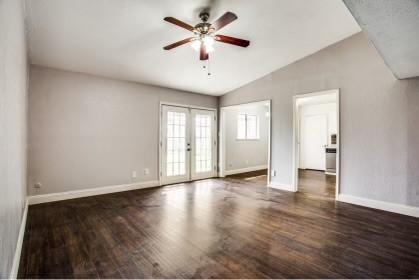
246, 127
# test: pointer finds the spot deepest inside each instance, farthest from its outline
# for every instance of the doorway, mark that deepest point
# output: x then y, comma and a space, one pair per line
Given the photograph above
245, 139
187, 144
316, 143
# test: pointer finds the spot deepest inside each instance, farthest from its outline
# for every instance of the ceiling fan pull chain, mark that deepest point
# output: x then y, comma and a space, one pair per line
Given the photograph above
208, 68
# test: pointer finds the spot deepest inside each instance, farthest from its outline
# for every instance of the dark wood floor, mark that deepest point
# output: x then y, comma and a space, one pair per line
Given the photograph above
217, 228
259, 177
316, 183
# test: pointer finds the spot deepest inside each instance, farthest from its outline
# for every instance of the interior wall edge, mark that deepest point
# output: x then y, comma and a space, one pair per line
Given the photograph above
381, 205
35, 65
19, 243
244, 170
51, 197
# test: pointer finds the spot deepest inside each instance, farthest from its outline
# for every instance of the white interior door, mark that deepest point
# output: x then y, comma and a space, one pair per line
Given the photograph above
313, 142
188, 146
175, 142
203, 144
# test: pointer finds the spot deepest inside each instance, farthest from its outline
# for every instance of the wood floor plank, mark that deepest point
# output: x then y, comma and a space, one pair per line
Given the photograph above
219, 228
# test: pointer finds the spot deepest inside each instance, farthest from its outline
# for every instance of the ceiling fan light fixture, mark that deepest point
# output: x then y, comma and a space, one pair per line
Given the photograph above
208, 41
205, 34
196, 45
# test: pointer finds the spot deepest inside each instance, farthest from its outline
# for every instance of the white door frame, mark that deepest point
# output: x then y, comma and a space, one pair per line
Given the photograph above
222, 136
163, 103
295, 148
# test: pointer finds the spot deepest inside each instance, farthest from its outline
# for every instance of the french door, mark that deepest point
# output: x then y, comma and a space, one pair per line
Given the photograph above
188, 144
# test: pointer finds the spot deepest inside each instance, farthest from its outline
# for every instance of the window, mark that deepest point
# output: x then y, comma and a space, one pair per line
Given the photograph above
247, 127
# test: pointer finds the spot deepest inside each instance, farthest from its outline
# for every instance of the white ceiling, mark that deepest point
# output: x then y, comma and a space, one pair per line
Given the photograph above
123, 39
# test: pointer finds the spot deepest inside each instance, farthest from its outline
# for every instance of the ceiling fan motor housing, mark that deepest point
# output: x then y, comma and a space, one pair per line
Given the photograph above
204, 16
204, 28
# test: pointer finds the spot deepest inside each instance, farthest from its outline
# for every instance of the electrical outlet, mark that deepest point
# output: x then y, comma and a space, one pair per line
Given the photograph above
273, 173
134, 174
38, 185
247, 161
146, 171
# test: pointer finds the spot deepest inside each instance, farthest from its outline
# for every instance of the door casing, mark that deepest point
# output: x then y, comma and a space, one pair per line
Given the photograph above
295, 149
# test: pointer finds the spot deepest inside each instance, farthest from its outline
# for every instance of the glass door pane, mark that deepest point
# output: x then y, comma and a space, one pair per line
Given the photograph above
176, 139
175, 144
203, 144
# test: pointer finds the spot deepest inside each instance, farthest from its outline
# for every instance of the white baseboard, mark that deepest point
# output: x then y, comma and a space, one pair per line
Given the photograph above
19, 243
43, 198
244, 170
282, 187
381, 205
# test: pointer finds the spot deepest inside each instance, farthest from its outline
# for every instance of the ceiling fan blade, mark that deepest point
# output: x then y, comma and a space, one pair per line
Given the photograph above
203, 55
232, 40
224, 20
179, 23
179, 43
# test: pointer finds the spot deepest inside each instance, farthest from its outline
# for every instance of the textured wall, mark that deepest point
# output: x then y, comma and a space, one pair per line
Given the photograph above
86, 131
378, 121
13, 96
393, 27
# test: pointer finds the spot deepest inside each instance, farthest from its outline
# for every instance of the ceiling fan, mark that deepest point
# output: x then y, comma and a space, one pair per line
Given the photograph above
205, 34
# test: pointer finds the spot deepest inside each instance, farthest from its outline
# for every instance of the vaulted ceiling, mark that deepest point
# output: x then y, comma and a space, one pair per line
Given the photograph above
393, 28
123, 39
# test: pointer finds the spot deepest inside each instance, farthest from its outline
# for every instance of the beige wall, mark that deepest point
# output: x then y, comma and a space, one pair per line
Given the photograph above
241, 154
87, 131
379, 118
13, 98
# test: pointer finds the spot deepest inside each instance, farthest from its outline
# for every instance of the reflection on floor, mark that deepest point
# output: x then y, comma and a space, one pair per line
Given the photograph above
317, 183
259, 177
311, 182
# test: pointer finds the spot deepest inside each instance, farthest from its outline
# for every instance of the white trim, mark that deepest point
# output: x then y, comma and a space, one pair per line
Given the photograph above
186, 106
282, 187
221, 146
381, 205
43, 198
244, 170
269, 143
251, 103
19, 243
295, 148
